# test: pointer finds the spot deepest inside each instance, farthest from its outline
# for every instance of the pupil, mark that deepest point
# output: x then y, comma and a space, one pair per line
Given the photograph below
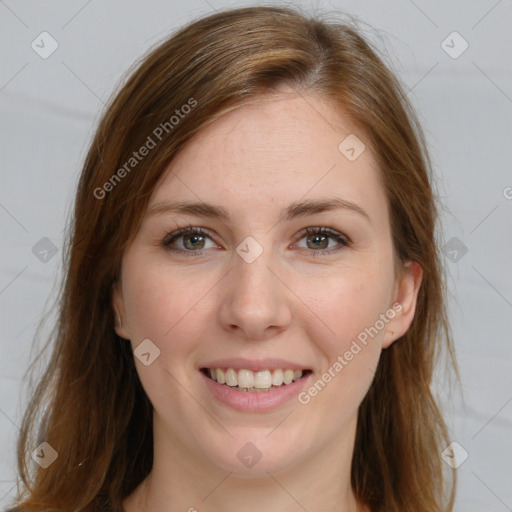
320, 239
194, 239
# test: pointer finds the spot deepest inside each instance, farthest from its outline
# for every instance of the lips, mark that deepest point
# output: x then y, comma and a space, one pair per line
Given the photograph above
254, 400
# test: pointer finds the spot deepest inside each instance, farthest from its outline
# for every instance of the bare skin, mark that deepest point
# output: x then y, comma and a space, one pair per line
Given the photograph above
305, 299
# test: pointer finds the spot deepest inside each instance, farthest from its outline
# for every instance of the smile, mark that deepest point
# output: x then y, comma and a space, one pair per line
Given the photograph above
248, 381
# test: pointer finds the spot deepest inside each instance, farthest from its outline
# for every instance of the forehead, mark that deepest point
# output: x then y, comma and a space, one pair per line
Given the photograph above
275, 150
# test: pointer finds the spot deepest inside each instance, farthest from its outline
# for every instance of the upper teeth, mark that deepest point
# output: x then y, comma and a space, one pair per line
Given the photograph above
249, 379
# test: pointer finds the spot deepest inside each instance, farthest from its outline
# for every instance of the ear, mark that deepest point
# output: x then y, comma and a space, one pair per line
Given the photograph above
120, 321
404, 302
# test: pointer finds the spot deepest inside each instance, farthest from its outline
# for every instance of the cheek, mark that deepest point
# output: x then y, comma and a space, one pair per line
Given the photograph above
158, 303
350, 355
163, 309
345, 306
348, 331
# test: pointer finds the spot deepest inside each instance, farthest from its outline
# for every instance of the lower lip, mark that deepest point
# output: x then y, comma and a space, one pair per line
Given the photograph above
254, 401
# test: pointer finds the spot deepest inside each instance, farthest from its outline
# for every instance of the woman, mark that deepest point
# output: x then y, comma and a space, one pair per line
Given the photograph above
254, 301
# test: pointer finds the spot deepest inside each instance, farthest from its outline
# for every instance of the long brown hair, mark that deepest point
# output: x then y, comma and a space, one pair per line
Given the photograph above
89, 405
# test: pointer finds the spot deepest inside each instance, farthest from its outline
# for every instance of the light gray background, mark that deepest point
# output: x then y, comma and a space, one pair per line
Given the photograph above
49, 108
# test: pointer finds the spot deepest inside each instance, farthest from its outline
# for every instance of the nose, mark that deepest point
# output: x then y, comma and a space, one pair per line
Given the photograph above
256, 302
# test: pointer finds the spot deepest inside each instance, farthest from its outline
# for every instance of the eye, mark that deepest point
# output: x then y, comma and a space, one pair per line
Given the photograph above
190, 241
319, 238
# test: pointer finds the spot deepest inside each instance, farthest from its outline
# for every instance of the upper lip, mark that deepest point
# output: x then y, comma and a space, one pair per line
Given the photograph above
255, 365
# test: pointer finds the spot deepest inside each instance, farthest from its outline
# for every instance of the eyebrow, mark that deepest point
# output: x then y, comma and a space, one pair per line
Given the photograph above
294, 210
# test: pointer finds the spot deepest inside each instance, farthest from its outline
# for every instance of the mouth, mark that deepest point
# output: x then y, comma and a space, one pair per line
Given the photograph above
248, 381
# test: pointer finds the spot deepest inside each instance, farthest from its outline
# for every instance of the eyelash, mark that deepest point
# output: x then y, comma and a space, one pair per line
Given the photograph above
320, 230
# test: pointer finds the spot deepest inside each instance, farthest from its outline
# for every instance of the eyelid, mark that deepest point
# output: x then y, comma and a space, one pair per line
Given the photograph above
324, 230
178, 233
343, 240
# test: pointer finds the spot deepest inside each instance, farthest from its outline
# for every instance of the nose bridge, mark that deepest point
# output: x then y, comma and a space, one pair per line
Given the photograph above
254, 278
255, 300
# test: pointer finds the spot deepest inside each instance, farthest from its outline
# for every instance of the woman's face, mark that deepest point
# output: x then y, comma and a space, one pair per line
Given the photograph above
253, 296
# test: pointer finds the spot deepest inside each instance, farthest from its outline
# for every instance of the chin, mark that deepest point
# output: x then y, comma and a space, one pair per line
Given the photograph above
251, 454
